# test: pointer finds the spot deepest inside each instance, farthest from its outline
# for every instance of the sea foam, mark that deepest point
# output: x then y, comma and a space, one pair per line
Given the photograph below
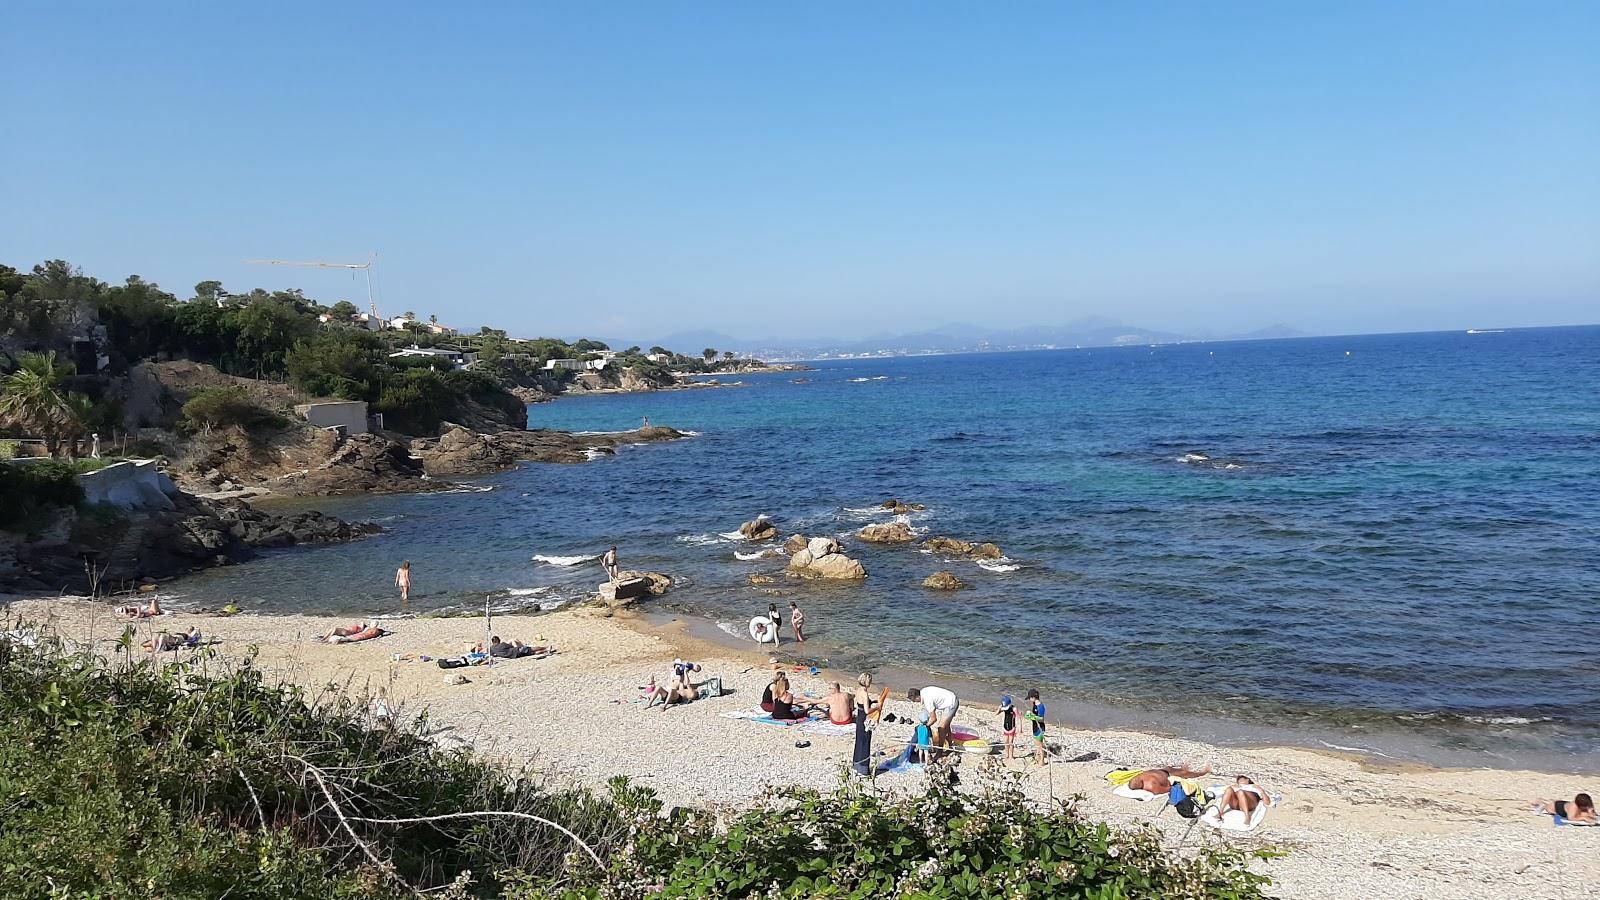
563, 561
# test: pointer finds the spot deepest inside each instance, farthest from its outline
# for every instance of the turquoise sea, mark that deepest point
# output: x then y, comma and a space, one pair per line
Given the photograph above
1383, 543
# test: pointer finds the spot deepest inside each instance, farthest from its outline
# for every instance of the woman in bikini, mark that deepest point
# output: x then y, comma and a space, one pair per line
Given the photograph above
1578, 809
1244, 795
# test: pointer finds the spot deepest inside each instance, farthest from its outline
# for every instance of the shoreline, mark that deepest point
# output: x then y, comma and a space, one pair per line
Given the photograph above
1399, 748
1352, 827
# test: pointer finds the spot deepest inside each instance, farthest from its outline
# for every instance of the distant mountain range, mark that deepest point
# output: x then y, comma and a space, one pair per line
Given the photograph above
1095, 331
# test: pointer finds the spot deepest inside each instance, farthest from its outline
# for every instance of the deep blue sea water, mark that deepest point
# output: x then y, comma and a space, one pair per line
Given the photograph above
1392, 543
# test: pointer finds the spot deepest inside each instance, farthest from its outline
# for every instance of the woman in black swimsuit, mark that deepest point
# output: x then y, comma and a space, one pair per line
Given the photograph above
1578, 809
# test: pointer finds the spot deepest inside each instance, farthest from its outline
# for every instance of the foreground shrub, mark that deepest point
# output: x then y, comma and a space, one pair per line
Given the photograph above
858, 842
119, 780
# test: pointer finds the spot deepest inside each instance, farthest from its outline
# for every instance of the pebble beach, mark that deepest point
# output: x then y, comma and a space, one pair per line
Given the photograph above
1349, 827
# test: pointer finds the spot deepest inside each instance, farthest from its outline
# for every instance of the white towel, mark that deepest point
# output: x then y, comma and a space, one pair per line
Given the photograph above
1123, 790
1235, 819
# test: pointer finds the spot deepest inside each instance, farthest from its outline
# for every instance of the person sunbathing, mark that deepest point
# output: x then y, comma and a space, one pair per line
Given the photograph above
1578, 809
680, 691
1159, 781
1244, 795
347, 634
165, 641
512, 649
135, 611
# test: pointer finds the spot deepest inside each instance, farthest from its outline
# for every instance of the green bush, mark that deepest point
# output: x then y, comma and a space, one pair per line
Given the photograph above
195, 781
858, 842
34, 492
338, 362
120, 779
10, 449
415, 401
224, 407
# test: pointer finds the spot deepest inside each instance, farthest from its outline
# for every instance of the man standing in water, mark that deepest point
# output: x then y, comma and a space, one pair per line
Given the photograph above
608, 561
402, 580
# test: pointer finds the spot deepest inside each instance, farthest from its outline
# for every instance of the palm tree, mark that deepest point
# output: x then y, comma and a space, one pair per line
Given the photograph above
32, 397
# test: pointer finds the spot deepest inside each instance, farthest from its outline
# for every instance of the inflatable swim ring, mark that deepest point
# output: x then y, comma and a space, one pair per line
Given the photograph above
760, 629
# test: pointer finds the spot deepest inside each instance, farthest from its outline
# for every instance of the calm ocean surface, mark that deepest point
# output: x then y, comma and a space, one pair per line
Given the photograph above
1392, 545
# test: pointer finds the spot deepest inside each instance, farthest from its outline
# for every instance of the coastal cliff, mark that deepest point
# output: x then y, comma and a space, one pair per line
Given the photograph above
100, 548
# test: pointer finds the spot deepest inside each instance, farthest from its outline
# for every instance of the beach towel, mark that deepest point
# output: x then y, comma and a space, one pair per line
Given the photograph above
823, 726
1559, 820
1121, 777
762, 716
1235, 819
1122, 790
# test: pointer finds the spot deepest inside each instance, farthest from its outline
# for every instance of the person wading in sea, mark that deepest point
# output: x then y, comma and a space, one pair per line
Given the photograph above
608, 561
402, 580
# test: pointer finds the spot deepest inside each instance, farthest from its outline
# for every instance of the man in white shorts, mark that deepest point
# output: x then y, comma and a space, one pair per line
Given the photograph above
941, 705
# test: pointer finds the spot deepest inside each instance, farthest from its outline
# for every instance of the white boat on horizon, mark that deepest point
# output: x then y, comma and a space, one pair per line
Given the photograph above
1486, 331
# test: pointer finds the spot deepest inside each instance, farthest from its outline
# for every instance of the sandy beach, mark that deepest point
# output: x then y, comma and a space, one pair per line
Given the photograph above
1351, 828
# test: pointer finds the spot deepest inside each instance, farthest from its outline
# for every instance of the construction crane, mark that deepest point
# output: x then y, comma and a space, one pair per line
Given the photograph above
320, 264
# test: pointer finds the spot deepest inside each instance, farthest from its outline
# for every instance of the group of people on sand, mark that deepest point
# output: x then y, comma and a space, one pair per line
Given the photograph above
681, 689
165, 641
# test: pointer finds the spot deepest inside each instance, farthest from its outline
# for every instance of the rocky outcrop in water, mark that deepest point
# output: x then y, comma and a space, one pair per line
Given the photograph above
631, 587
886, 533
461, 451
956, 547
899, 508
943, 581
822, 557
119, 549
759, 530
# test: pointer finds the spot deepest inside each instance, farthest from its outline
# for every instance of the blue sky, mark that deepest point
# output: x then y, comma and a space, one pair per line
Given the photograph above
635, 169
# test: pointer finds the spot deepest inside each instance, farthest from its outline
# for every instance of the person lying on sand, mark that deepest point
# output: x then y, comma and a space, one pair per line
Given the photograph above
1244, 795
135, 611
679, 692
1578, 809
1159, 781
349, 634
513, 649
164, 642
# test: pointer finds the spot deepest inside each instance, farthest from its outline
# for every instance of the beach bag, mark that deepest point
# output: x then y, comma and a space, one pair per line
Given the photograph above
1190, 806
711, 687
